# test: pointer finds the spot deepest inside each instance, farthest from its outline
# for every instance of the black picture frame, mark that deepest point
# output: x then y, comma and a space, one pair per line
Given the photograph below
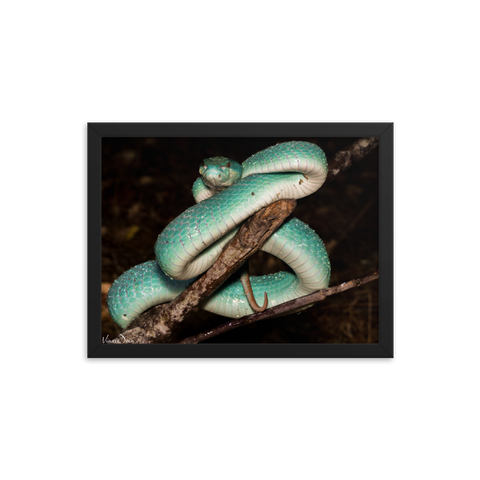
96, 132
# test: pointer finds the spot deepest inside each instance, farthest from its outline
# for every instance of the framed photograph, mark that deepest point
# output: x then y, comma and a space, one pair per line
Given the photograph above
185, 218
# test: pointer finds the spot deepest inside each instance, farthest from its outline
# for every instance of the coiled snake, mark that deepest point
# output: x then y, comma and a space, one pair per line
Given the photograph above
226, 195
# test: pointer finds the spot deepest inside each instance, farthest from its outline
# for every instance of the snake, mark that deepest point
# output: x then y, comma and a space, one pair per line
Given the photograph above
226, 194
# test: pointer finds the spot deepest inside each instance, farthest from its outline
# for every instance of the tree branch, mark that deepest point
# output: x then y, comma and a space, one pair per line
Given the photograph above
282, 309
159, 323
356, 151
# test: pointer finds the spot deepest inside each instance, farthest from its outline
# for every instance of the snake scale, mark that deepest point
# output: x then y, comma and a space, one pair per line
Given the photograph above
227, 194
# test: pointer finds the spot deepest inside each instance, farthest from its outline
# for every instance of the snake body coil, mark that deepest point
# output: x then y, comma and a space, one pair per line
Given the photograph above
192, 242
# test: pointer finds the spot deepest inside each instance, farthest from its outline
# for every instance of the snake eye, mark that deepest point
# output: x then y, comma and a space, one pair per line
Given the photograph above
229, 165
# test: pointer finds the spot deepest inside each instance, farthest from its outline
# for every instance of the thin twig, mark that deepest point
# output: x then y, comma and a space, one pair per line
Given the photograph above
356, 151
283, 309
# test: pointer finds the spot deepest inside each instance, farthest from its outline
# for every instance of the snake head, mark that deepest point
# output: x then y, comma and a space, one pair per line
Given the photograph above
219, 173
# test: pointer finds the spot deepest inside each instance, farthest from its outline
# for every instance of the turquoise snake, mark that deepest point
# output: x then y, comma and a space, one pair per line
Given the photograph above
227, 194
